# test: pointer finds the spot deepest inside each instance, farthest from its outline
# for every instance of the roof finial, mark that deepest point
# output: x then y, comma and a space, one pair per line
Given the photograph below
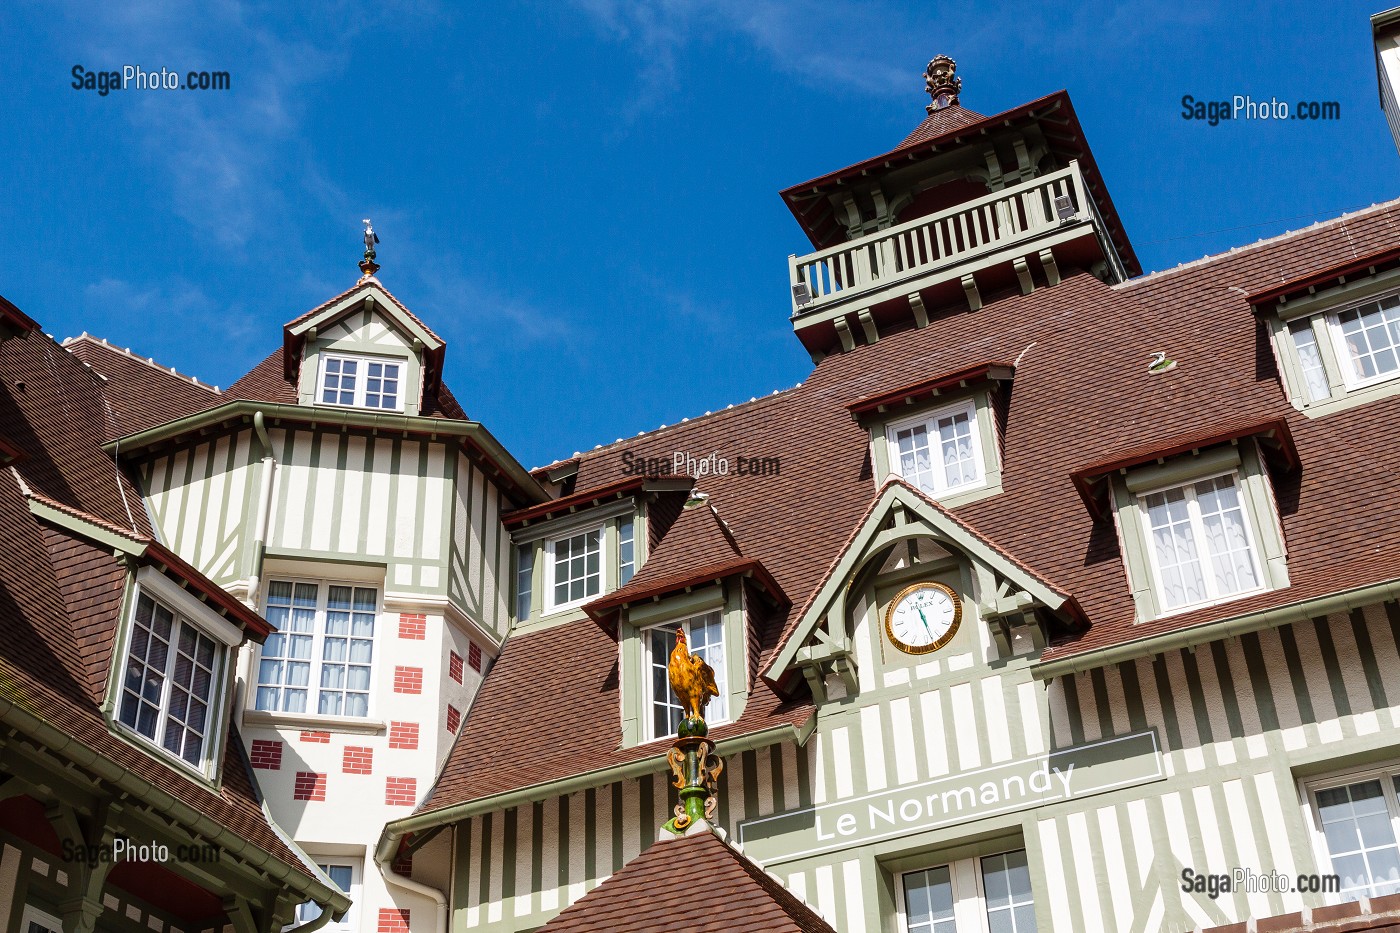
692, 758
941, 82
367, 265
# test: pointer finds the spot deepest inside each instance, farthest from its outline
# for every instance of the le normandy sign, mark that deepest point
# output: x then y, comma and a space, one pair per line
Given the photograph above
1064, 774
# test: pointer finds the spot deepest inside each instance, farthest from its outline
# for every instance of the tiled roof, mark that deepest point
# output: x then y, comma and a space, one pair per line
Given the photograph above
1374, 915
358, 287
62, 591
941, 122
1082, 395
141, 392
732, 893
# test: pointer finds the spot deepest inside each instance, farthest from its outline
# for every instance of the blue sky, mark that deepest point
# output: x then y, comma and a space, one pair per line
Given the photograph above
582, 196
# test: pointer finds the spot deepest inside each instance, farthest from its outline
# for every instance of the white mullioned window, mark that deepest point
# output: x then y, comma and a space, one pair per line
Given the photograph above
1367, 340
356, 381
984, 895
170, 689
1358, 821
940, 452
704, 636
626, 550
574, 568
1201, 542
321, 657
524, 579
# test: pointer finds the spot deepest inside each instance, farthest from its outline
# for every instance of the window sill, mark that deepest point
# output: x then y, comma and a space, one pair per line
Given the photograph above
1350, 398
1194, 607
353, 725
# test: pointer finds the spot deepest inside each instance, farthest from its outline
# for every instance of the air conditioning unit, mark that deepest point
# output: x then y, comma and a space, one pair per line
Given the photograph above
1064, 208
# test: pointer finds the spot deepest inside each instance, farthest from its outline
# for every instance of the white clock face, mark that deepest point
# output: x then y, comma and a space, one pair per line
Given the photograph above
923, 618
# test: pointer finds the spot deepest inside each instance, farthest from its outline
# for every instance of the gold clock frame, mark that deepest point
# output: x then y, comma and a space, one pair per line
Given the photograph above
934, 645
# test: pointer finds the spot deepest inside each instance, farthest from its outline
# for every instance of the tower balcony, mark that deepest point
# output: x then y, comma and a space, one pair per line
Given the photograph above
950, 258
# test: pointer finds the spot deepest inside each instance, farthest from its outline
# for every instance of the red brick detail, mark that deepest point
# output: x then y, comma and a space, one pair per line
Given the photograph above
413, 625
310, 786
403, 735
324, 738
408, 680
454, 666
357, 759
474, 657
266, 754
393, 920
400, 791
454, 718
403, 861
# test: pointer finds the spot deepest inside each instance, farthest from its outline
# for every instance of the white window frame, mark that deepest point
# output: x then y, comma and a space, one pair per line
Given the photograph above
362, 360
1350, 380
969, 892
1385, 773
318, 636
347, 923
649, 661
45, 919
186, 609
929, 421
1193, 510
604, 539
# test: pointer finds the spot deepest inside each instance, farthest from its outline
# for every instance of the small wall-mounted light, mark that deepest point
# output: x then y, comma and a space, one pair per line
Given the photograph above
1064, 207
801, 293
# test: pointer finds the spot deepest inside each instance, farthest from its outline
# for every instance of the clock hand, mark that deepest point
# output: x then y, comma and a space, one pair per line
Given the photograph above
923, 618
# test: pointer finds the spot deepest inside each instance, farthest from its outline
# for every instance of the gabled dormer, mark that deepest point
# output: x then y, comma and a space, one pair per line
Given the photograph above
916, 595
363, 350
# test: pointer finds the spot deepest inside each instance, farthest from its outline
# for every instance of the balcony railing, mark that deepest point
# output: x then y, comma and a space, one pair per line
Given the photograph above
945, 240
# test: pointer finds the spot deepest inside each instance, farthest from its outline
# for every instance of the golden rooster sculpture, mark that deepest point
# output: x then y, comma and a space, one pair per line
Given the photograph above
693, 682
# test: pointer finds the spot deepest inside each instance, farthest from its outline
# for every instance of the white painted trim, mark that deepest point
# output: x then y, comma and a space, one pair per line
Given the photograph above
648, 695
1384, 773
326, 856
1350, 379
183, 602
969, 892
46, 920
548, 606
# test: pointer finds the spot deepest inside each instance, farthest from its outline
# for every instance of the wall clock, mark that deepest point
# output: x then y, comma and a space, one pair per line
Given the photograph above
923, 617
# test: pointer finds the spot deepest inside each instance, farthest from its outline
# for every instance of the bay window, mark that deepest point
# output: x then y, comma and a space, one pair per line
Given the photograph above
574, 568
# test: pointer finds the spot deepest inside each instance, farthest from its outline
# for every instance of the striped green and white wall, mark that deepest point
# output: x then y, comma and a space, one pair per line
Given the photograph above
1241, 723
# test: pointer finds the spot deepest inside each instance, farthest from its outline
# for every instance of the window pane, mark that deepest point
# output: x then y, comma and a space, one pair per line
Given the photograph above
524, 578
1174, 549
1006, 880
578, 567
1226, 535
666, 709
626, 550
928, 901
1314, 375
1371, 334
1356, 824
145, 667
960, 467
913, 459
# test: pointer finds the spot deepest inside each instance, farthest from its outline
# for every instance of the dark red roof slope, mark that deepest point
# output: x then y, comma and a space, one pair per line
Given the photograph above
732, 894
940, 123
1082, 395
62, 591
141, 393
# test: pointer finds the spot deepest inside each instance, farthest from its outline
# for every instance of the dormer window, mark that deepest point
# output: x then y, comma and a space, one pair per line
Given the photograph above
1337, 346
704, 636
940, 452
361, 382
1200, 542
172, 674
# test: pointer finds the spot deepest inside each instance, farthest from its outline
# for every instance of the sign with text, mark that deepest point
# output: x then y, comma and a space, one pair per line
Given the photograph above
1063, 774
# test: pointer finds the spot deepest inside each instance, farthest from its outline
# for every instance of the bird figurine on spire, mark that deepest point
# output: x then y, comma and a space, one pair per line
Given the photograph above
368, 267
694, 683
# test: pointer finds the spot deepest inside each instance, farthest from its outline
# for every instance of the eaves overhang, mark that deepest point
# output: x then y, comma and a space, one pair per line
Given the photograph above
882, 403
1309, 283
600, 609
515, 479
598, 495
1273, 432
149, 551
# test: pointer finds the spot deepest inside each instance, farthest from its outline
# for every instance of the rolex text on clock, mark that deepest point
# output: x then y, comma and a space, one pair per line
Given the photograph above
923, 617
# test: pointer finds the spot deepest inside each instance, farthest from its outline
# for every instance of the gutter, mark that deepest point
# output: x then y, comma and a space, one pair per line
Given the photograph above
264, 507
397, 829
1225, 628
393, 879
57, 741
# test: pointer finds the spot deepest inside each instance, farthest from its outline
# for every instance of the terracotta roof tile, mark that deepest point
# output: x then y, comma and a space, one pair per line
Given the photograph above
940, 122
735, 894
141, 393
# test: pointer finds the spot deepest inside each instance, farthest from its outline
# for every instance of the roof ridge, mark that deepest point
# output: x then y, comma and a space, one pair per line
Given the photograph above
603, 448
1262, 242
85, 337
